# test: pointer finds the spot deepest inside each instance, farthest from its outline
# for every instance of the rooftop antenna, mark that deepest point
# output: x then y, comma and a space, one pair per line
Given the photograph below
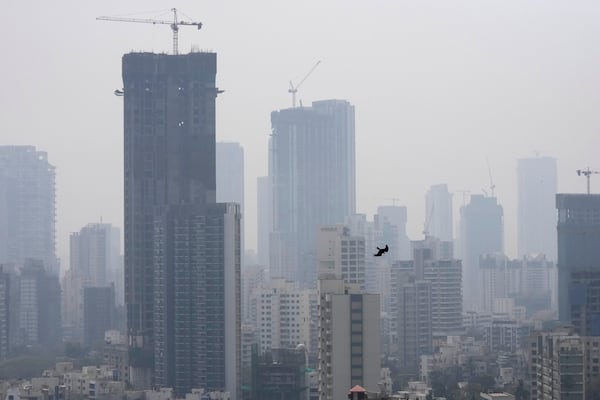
587, 173
294, 89
175, 23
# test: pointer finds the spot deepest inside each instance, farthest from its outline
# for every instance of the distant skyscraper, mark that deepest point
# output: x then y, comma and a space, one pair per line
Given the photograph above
482, 232
230, 177
536, 213
312, 171
579, 261
182, 249
264, 217
27, 207
438, 212
390, 227
95, 254
95, 262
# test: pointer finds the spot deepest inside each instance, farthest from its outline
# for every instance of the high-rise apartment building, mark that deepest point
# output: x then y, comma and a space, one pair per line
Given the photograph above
182, 249
563, 365
438, 213
531, 281
341, 254
537, 187
349, 341
433, 262
312, 176
410, 308
27, 207
481, 232
282, 316
197, 319
579, 261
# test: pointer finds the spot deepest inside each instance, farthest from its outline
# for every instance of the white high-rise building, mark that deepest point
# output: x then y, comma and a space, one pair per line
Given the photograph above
349, 338
282, 315
537, 217
341, 254
438, 209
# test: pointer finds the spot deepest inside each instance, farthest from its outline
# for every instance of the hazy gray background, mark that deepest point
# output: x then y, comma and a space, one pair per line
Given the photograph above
437, 85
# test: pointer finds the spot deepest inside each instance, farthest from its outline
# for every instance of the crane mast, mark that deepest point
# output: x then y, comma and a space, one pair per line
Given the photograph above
174, 24
587, 172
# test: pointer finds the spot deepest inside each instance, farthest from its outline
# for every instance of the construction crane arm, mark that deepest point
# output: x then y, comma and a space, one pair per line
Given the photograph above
174, 24
308, 74
148, 21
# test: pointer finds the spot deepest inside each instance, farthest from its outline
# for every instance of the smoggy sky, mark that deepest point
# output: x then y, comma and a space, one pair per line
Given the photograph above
438, 87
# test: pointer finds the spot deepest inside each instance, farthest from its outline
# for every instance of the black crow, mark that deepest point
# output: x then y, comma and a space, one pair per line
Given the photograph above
381, 251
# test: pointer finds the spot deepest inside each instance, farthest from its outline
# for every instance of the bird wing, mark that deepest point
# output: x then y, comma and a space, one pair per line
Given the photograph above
386, 247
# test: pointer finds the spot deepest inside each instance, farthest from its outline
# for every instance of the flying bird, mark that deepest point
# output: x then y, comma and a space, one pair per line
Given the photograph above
381, 251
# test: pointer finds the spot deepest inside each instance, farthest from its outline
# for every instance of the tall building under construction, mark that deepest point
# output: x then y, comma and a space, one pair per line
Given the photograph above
312, 177
170, 214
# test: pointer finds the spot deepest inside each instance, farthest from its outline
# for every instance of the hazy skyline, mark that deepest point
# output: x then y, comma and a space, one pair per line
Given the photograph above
437, 87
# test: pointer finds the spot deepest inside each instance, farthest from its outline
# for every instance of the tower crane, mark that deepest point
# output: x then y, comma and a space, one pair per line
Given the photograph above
174, 25
294, 89
587, 173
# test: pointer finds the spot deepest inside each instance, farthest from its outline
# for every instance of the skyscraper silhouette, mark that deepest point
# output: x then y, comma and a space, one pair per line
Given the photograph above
536, 214
482, 232
438, 213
